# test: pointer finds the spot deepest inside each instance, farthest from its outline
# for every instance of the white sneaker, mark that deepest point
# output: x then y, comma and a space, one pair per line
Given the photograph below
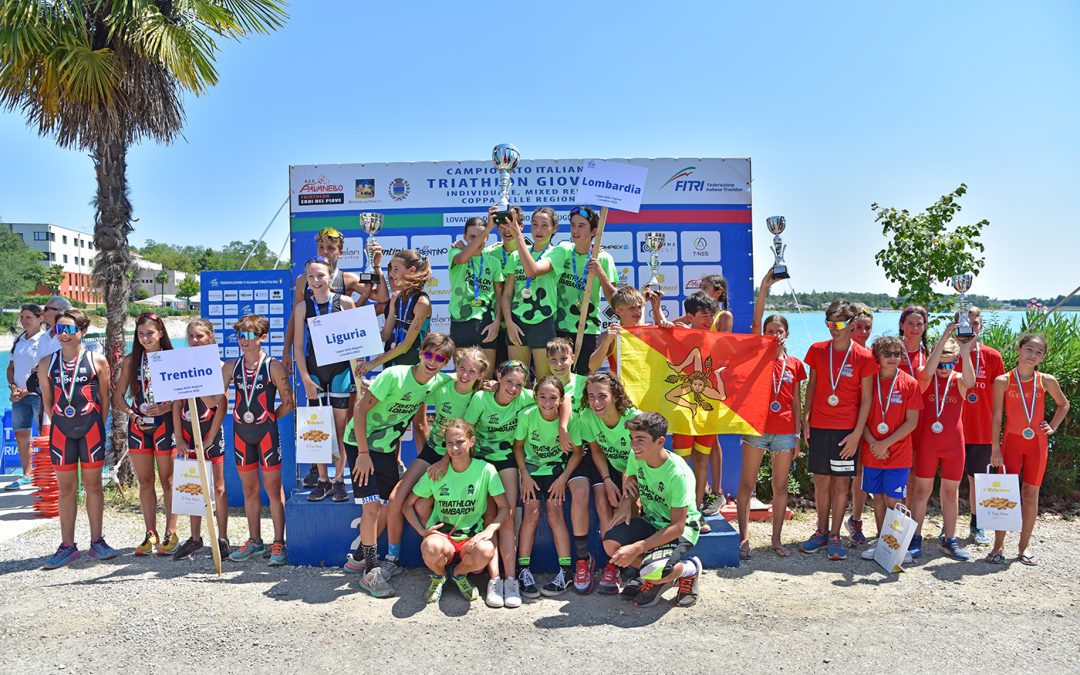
494, 597
511, 594
868, 554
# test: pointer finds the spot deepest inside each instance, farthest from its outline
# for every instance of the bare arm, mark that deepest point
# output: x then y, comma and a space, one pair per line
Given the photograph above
281, 381
122, 384
101, 364
1001, 382
1053, 387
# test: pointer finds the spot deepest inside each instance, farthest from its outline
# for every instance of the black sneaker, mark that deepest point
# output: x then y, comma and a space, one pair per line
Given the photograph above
224, 548
311, 478
528, 584
650, 593
631, 588
187, 549
320, 492
337, 491
557, 586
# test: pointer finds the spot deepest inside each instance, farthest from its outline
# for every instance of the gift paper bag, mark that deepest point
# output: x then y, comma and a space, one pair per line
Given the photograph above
896, 533
187, 494
315, 435
997, 501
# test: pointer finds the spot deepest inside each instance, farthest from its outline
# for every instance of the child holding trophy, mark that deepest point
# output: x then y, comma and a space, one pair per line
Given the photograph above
474, 312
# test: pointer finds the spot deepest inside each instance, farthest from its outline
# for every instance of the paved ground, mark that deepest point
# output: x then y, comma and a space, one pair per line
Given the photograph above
801, 614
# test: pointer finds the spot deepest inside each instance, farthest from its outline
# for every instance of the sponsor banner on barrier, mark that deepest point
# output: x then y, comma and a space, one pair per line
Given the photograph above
177, 374
699, 246
692, 274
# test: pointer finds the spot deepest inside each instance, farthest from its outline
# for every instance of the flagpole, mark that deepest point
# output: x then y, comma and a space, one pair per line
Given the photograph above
595, 253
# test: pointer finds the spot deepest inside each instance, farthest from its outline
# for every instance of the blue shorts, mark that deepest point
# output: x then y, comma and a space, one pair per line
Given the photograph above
25, 412
773, 442
889, 482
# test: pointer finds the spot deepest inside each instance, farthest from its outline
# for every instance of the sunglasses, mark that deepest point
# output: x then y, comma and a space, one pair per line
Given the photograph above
65, 329
330, 233
439, 358
892, 355
947, 366
248, 335
318, 259
583, 211
838, 325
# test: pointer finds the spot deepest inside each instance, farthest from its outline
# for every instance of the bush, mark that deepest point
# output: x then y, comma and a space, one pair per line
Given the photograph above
1061, 484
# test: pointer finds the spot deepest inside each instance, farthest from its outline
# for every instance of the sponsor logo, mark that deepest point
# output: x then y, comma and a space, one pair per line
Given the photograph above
429, 251
444, 491
693, 285
689, 186
681, 173
320, 191
365, 188
700, 244
470, 490
399, 189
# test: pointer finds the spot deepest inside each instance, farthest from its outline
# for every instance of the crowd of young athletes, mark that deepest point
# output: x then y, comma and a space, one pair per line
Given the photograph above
518, 422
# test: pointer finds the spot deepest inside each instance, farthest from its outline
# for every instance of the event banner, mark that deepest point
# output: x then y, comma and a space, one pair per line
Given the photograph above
702, 206
229, 295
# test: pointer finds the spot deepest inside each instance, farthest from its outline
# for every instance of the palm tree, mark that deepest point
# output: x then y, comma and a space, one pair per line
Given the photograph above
162, 278
102, 75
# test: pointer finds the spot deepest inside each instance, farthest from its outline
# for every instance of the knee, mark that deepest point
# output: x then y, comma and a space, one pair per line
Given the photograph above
555, 514
532, 511
485, 550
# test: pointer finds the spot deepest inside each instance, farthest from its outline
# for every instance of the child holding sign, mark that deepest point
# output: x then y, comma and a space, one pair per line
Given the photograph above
210, 411
150, 432
77, 434
259, 379
333, 381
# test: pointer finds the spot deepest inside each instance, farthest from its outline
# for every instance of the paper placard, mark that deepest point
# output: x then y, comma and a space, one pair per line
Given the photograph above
315, 435
340, 336
191, 372
997, 501
611, 184
187, 496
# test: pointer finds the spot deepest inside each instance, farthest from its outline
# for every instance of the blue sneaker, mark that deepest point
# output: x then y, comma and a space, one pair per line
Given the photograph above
956, 550
278, 557
835, 550
63, 556
250, 549
99, 550
18, 484
915, 547
815, 543
855, 533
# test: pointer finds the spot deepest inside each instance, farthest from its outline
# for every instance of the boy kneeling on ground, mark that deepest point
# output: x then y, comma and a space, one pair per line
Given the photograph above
655, 545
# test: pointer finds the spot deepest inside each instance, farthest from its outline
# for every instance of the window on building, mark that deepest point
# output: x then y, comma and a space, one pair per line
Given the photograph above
52, 257
65, 257
52, 236
41, 236
64, 237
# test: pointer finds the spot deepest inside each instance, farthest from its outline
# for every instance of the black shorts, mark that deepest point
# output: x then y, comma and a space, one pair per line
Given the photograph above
537, 335
249, 453
77, 443
381, 482
825, 450
587, 470
156, 439
588, 346
976, 458
470, 333
508, 463
428, 454
639, 530
544, 483
502, 342
336, 382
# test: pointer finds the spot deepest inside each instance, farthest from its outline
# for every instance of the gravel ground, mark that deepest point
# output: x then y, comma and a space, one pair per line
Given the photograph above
800, 614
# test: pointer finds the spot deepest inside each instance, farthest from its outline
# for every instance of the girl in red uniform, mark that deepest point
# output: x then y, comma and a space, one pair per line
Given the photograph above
150, 432
211, 413
913, 332
1021, 396
782, 429
75, 394
941, 438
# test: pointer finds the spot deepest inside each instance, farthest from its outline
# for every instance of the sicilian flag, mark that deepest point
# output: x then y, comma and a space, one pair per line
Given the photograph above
703, 382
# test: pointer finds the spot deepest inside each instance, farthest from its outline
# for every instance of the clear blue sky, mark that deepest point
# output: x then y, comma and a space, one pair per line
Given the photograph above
838, 105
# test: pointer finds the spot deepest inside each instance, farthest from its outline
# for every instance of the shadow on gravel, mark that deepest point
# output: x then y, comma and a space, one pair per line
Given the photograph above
599, 610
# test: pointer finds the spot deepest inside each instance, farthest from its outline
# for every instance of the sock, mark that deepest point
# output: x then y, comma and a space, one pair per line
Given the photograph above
689, 569
564, 563
523, 563
371, 557
631, 573
393, 551
974, 523
581, 546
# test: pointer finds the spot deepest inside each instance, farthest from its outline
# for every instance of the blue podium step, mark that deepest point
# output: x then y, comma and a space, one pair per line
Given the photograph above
719, 548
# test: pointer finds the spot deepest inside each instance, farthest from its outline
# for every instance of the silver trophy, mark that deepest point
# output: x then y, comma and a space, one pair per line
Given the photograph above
962, 284
505, 157
776, 225
654, 241
370, 223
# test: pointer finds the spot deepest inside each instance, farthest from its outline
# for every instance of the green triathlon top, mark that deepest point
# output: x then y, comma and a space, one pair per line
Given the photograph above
614, 442
461, 498
543, 454
572, 288
669, 486
464, 287
495, 424
398, 396
544, 288
575, 389
448, 404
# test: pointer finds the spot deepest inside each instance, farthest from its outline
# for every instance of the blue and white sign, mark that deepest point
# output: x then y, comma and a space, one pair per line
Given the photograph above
340, 336
177, 374
229, 295
612, 184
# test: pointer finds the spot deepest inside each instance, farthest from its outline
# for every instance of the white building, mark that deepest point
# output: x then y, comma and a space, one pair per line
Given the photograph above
72, 249
145, 273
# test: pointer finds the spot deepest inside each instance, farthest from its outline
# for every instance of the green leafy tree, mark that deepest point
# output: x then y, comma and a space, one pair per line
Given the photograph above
926, 249
53, 278
187, 287
102, 75
20, 268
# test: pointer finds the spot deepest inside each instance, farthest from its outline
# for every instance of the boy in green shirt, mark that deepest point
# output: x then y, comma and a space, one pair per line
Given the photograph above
658, 542
473, 308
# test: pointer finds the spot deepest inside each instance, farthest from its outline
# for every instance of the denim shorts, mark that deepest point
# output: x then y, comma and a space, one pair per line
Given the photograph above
773, 442
25, 411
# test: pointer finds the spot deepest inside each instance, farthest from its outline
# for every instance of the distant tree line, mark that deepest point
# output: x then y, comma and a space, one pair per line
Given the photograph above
195, 259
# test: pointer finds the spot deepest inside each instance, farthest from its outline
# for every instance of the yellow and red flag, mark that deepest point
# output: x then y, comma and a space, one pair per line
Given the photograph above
703, 382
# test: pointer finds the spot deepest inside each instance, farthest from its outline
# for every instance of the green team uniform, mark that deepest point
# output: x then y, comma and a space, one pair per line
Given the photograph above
572, 288
449, 404
463, 287
544, 288
495, 424
614, 442
399, 397
575, 389
669, 486
543, 454
461, 498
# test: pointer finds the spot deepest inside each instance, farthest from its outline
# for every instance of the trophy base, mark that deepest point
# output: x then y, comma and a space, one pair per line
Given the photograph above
964, 332
366, 277
502, 217
780, 272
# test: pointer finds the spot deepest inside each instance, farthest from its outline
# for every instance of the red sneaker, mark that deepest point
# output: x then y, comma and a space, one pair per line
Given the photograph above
609, 580
583, 576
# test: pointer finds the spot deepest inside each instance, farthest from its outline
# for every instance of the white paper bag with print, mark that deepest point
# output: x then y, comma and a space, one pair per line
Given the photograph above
187, 494
997, 501
896, 532
315, 436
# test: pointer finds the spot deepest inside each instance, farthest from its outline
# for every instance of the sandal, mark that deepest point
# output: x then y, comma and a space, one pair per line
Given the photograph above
781, 551
996, 558
1029, 560
744, 551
